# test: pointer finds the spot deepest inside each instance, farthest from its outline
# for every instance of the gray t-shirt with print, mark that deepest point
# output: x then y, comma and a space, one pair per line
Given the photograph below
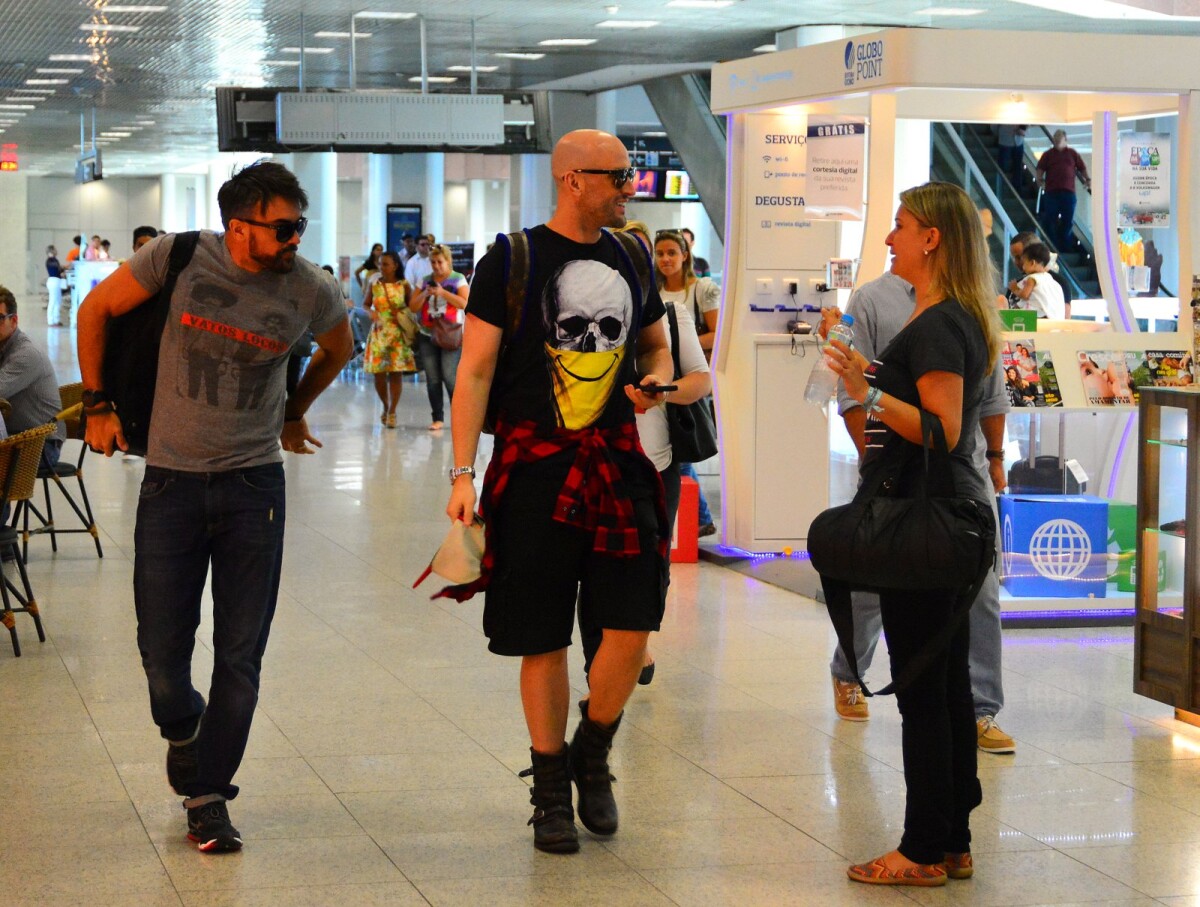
222, 367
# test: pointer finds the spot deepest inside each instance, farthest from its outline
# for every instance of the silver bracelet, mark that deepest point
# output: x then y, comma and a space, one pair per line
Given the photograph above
870, 403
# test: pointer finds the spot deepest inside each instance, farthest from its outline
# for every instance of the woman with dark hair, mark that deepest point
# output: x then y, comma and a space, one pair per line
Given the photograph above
369, 266
1020, 391
938, 363
389, 354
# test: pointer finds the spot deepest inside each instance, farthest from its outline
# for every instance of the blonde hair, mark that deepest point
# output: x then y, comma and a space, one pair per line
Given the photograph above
962, 268
443, 251
689, 271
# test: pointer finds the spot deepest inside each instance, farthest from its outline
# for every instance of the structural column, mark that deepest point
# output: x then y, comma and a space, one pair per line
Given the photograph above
318, 175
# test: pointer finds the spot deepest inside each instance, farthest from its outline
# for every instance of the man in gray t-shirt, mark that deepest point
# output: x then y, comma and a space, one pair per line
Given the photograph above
213, 493
881, 308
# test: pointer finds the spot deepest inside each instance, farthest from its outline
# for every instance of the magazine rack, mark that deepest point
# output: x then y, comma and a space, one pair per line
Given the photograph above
1166, 664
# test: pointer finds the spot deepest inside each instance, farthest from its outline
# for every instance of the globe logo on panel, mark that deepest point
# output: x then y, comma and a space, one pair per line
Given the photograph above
1006, 547
849, 54
1060, 550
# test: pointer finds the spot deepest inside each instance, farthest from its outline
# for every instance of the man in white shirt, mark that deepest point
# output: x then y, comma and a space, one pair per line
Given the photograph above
417, 268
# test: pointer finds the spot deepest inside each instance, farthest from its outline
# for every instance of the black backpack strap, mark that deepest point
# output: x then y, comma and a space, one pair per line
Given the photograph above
182, 249
518, 268
673, 325
637, 259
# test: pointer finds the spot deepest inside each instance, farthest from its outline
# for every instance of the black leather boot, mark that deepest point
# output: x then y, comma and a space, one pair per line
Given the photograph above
589, 765
553, 818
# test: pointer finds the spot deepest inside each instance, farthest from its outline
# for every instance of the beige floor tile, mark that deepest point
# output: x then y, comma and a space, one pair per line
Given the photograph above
785, 885
502, 852
95, 872
379, 894
279, 863
1158, 870
463, 768
386, 813
716, 842
376, 737
545, 891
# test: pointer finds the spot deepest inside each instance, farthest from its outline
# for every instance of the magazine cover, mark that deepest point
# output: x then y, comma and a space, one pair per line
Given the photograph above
1169, 368
1021, 373
1050, 395
1111, 377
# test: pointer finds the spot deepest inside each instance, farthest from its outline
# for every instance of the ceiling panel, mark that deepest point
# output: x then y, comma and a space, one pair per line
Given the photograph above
166, 70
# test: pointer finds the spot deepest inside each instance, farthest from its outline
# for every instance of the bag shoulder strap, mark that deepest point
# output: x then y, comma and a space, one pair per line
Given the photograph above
638, 259
518, 268
183, 247
673, 324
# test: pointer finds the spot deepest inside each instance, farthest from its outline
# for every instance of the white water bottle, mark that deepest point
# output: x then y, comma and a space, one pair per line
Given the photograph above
823, 380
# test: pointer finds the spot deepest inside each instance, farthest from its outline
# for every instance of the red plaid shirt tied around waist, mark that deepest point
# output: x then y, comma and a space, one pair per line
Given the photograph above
590, 498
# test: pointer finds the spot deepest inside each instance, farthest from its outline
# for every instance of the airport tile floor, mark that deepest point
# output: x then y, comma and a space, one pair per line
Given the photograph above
383, 764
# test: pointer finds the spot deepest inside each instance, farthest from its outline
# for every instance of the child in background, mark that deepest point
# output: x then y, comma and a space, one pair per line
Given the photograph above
1039, 291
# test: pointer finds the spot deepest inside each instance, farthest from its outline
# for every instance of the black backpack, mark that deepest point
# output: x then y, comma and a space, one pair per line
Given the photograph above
130, 367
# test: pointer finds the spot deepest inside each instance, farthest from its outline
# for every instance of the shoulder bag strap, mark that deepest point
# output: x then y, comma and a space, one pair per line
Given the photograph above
673, 323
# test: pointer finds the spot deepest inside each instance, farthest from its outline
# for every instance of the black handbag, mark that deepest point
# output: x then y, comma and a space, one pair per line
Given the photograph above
929, 540
690, 426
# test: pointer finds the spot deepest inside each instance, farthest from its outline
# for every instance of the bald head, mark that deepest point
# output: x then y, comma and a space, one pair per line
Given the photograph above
587, 149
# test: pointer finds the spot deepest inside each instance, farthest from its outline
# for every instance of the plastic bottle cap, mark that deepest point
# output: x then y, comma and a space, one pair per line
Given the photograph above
847, 319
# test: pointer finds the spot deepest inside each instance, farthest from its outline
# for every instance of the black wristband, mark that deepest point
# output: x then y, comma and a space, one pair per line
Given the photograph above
293, 418
995, 455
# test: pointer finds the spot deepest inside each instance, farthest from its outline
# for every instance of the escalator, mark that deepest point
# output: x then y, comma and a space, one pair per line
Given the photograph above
966, 153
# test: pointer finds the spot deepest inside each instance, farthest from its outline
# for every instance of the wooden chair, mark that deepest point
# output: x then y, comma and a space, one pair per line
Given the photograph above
71, 416
20, 456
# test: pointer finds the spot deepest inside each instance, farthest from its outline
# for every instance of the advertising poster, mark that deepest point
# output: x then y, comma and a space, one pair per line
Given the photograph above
837, 149
1111, 377
780, 232
1144, 180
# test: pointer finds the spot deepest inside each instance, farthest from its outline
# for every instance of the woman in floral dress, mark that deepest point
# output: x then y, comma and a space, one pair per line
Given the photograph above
389, 354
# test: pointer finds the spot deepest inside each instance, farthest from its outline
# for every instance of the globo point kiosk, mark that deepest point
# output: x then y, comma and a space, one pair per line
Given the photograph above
821, 140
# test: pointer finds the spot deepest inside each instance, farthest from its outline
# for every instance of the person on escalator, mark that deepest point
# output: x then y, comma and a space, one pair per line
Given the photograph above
1017, 246
1038, 291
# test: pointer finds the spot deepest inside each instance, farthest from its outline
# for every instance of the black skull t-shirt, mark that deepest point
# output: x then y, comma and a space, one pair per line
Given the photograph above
576, 347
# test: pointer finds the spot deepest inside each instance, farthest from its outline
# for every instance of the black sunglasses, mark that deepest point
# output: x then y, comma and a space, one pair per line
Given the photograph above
620, 176
283, 231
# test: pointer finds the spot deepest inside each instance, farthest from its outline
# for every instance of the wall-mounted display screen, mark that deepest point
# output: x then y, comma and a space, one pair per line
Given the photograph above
679, 187
645, 184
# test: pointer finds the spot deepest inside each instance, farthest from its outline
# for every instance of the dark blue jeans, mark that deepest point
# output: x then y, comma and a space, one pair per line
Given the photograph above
1058, 216
440, 368
187, 522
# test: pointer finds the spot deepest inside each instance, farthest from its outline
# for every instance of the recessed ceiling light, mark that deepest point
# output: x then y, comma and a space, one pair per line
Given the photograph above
1104, 9
18, 107
948, 11
627, 23
112, 134
340, 34
281, 63
468, 68
445, 79
519, 56
567, 42
51, 71
701, 4
131, 9
307, 50
377, 15
108, 26
765, 49
47, 81
71, 58
655, 135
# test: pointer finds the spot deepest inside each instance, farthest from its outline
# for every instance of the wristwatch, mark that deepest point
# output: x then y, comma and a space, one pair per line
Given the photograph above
461, 471
93, 398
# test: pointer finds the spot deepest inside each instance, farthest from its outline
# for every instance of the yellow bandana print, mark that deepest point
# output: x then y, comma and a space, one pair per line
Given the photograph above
583, 383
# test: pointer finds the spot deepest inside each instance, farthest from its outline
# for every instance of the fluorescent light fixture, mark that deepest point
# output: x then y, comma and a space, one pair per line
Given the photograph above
114, 134
701, 4
378, 15
567, 42
108, 26
34, 93
281, 63
18, 107
442, 79
340, 34
50, 71
468, 68
7, 114
627, 23
131, 9
948, 11
654, 135
307, 50
18, 100
765, 49
1104, 9
519, 56
71, 58
47, 81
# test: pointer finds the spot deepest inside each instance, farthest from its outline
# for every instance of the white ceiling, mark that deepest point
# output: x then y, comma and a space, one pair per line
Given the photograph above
157, 83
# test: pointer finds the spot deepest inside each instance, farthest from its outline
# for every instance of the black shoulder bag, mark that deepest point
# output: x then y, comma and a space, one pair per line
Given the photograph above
690, 426
931, 540
130, 367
